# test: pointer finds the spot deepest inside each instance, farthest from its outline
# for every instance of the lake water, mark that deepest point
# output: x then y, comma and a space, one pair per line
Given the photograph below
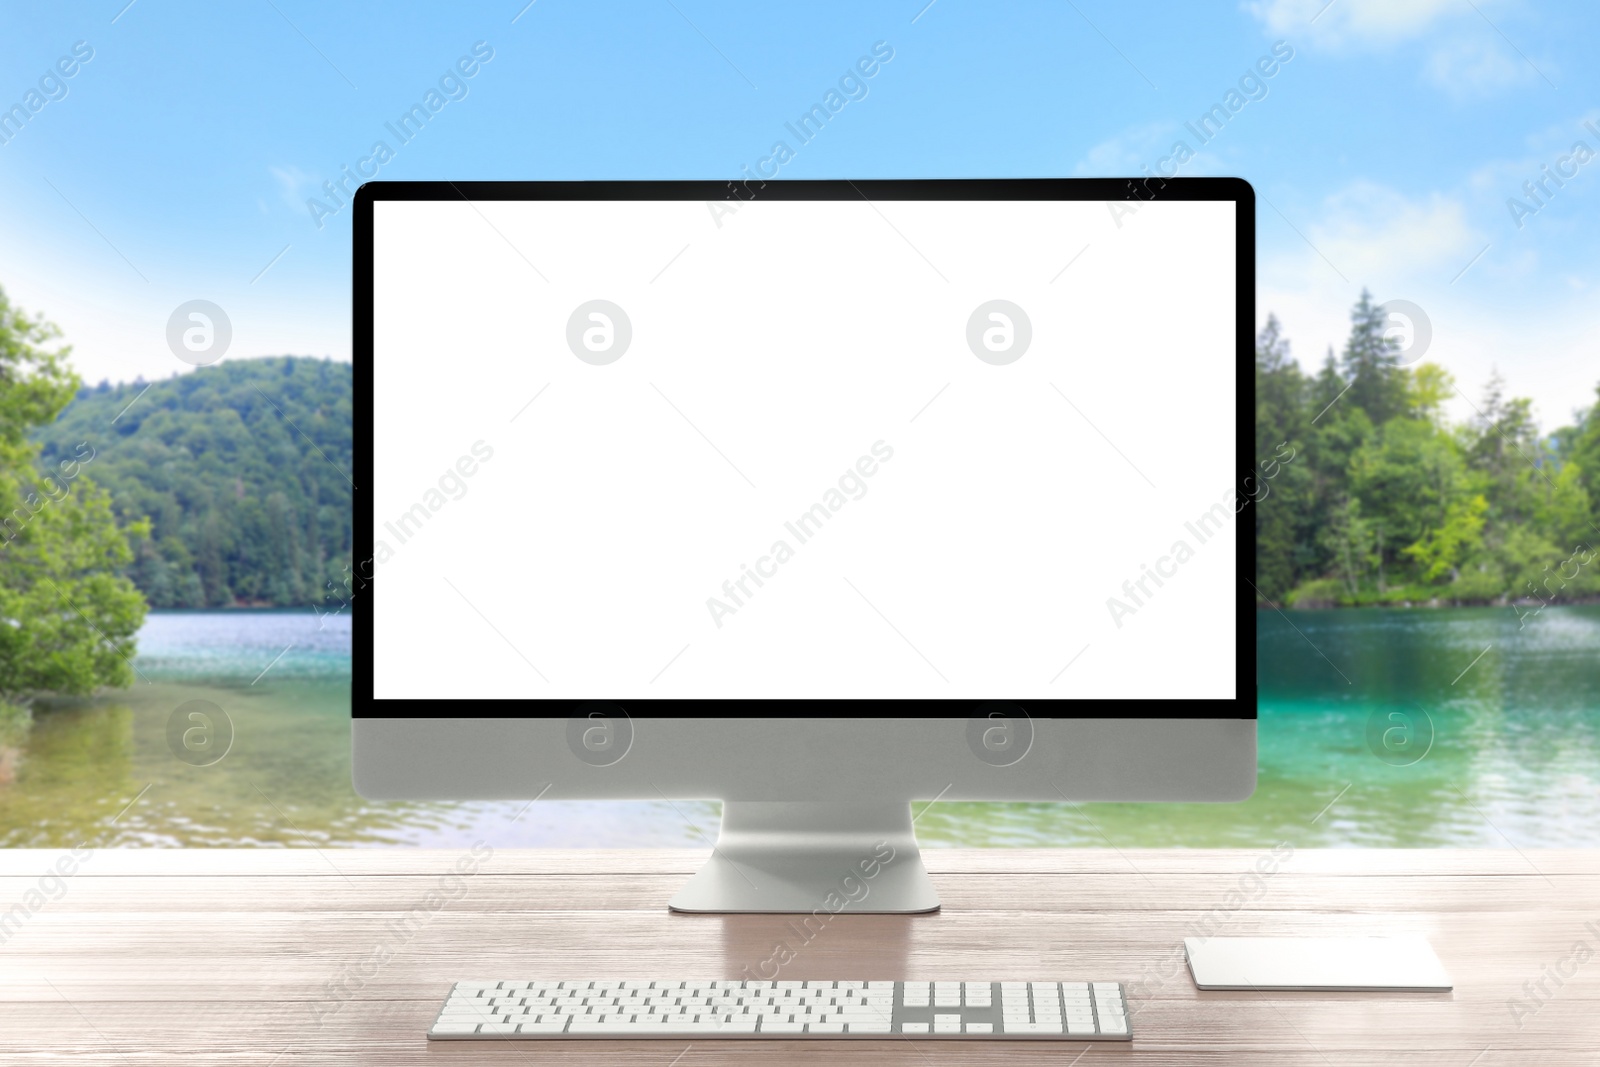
1378, 728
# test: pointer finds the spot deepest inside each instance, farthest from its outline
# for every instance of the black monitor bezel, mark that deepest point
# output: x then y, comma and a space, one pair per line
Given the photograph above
362, 700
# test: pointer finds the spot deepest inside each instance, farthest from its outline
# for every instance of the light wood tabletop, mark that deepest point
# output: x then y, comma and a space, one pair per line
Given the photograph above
299, 956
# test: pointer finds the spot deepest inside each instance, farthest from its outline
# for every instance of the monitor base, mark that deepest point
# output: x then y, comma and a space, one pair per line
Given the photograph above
805, 858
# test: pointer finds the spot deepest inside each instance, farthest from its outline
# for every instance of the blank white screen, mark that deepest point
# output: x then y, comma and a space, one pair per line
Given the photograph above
769, 354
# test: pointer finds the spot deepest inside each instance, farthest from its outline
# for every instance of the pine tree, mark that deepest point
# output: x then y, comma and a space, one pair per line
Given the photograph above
1371, 364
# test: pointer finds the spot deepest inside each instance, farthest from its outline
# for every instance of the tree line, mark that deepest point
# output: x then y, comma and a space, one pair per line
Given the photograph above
1390, 501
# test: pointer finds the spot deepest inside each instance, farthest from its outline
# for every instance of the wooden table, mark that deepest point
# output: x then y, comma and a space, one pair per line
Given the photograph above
299, 957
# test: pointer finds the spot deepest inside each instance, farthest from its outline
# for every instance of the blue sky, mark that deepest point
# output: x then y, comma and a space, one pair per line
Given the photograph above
177, 162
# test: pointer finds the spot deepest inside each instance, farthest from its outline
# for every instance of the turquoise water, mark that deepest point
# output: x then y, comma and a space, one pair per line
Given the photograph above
1497, 744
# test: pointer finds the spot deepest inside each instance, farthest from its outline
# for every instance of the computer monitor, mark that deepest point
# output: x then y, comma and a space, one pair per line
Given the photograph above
817, 498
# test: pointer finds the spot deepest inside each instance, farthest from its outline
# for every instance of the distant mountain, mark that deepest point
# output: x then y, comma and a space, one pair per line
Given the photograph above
243, 469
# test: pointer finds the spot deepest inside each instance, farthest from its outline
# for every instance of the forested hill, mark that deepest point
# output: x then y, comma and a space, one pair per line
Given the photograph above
242, 468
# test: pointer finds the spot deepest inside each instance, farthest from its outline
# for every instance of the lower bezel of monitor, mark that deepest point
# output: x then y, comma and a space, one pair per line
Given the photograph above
1136, 708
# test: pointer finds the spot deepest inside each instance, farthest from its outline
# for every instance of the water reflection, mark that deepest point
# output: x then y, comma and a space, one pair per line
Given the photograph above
1514, 754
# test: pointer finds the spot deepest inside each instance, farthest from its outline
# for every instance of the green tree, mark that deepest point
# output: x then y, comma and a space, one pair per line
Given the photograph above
1349, 540
1406, 477
67, 617
1281, 431
1371, 364
1441, 551
1427, 389
1585, 455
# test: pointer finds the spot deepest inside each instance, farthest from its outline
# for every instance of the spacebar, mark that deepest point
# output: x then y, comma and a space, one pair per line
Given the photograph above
637, 1029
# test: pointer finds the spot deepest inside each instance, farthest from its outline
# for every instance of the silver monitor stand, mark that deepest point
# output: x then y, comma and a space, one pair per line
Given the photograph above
773, 856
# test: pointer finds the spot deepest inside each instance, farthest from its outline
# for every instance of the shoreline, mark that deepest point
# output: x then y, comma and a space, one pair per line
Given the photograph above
247, 609
1431, 604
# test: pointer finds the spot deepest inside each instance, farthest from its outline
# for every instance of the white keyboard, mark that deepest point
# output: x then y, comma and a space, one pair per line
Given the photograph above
1071, 1011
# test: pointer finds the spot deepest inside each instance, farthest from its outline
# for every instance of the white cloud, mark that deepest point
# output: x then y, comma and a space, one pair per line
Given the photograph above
1468, 54
1377, 21
1410, 248
1127, 151
1374, 232
1148, 149
1552, 186
1476, 67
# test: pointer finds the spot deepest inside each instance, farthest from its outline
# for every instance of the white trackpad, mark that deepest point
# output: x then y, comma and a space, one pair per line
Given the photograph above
1347, 963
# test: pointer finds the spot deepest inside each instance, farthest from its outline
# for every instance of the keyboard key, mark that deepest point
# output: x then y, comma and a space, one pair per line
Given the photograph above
1034, 1028
980, 1028
855, 1027
1114, 1024
825, 1028
913, 1028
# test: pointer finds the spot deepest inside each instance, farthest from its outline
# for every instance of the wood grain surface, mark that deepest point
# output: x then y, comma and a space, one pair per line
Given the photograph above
302, 956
